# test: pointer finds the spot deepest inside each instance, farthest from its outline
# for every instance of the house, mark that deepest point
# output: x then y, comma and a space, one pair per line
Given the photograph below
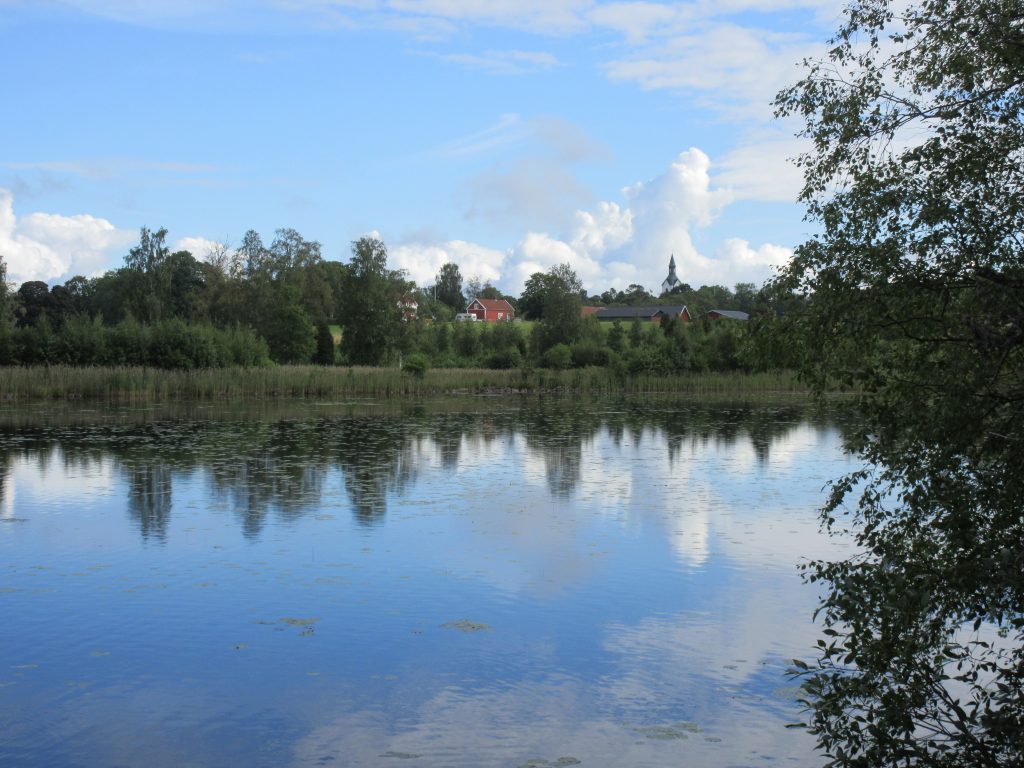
408, 306
588, 311
653, 314
731, 314
491, 310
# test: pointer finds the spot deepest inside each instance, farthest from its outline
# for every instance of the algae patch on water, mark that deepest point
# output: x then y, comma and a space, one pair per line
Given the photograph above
560, 762
677, 731
465, 625
402, 755
789, 692
306, 625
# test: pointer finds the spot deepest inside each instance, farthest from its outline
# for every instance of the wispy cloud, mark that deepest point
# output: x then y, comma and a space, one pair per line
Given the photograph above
727, 52
548, 17
112, 169
637, 21
505, 62
508, 129
151, 13
761, 169
532, 176
736, 70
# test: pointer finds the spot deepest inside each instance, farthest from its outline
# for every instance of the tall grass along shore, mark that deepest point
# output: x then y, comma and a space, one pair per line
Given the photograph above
138, 384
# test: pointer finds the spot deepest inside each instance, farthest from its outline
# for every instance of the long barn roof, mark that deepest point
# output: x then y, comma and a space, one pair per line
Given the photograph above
619, 313
735, 314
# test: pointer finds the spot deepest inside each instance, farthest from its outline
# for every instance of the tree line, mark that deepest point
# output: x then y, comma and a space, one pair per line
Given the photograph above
285, 303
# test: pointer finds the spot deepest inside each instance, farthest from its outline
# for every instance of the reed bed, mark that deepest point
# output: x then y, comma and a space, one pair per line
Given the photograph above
137, 384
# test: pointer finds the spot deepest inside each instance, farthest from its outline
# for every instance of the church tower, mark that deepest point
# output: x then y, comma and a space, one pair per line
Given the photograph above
671, 281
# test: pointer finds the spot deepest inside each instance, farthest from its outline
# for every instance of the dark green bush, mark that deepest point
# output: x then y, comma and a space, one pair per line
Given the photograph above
324, 354
558, 357
510, 357
588, 352
416, 365
170, 344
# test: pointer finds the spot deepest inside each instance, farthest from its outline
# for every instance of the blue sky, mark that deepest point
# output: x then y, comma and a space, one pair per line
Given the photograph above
504, 136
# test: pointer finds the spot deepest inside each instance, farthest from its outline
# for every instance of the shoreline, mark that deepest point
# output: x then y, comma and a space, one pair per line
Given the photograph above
139, 384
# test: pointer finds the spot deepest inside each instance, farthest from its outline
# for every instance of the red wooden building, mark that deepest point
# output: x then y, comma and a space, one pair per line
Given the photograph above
491, 310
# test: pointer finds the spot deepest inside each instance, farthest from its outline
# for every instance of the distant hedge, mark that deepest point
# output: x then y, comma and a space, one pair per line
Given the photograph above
171, 344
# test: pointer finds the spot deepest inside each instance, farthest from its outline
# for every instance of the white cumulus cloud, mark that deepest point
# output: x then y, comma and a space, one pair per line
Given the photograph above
200, 247
609, 244
736, 257
51, 247
607, 228
615, 246
538, 252
422, 261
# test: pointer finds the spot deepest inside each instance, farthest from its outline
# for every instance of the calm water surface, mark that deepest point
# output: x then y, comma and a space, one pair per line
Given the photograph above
482, 583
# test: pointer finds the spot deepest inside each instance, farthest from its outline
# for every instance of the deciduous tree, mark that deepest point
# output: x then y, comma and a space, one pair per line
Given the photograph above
915, 289
371, 314
142, 266
33, 299
448, 285
562, 302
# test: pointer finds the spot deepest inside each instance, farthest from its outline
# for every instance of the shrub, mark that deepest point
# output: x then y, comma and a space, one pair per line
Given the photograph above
82, 341
244, 347
466, 340
647, 360
510, 357
586, 353
558, 357
324, 354
416, 365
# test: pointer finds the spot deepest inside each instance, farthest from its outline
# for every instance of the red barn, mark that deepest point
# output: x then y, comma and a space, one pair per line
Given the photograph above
491, 310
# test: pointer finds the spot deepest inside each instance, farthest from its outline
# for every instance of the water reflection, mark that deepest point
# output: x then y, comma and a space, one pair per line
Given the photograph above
149, 496
6, 499
504, 584
263, 468
375, 458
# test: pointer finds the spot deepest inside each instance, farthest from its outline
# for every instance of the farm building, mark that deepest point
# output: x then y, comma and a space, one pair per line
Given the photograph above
491, 310
650, 314
730, 314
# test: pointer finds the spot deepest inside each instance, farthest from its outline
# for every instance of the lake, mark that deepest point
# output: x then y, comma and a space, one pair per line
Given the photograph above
472, 582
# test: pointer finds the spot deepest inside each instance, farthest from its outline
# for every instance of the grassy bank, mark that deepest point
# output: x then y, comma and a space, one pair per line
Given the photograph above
156, 385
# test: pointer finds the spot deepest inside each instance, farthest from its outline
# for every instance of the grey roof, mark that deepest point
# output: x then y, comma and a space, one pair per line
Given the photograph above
628, 313
734, 314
